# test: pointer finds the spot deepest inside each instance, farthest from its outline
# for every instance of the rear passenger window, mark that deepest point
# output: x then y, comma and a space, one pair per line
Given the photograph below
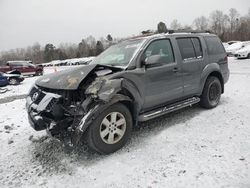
186, 48
197, 47
214, 46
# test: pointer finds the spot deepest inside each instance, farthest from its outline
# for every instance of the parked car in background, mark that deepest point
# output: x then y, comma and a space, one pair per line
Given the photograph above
12, 79
232, 42
243, 52
225, 44
3, 80
23, 67
231, 50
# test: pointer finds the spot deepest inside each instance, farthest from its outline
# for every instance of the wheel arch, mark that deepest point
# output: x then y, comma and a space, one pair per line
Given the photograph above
219, 76
212, 69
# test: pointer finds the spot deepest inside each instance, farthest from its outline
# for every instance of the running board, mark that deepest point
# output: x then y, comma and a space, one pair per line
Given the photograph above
167, 109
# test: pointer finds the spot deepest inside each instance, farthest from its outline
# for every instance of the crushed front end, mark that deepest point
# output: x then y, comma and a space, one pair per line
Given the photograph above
57, 111
67, 106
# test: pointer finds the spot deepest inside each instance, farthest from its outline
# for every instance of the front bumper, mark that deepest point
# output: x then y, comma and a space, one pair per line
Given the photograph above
241, 55
39, 103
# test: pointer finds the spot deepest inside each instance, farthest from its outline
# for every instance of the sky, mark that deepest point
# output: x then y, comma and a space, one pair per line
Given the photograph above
25, 22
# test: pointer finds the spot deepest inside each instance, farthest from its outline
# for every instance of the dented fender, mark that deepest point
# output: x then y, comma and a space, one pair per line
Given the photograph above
93, 113
103, 88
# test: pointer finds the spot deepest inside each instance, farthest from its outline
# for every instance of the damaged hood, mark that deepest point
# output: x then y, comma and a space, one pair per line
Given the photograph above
70, 79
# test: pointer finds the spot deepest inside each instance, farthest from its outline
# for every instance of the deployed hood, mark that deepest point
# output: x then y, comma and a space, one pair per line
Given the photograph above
70, 79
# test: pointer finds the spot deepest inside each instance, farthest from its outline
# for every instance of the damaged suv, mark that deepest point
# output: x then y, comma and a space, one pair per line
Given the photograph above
133, 81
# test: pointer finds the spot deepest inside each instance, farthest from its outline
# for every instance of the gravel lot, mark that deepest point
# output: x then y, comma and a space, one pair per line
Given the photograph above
189, 148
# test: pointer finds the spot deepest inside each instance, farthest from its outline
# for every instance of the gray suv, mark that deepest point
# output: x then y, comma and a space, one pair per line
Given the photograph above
133, 81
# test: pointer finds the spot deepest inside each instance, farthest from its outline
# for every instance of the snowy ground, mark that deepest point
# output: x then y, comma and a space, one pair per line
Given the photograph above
190, 148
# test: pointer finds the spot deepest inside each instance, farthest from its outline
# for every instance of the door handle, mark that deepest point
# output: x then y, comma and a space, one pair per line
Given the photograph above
175, 69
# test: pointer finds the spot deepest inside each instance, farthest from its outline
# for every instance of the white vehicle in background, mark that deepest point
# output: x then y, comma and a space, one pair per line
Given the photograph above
231, 50
232, 42
243, 52
226, 45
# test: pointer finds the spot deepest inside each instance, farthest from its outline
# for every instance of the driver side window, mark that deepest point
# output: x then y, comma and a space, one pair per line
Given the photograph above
163, 48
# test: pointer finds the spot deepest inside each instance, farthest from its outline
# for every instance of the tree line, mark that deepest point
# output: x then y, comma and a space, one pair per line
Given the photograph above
228, 26
37, 54
231, 26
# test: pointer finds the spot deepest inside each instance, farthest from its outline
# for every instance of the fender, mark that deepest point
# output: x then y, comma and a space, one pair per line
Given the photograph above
104, 90
93, 113
105, 93
212, 67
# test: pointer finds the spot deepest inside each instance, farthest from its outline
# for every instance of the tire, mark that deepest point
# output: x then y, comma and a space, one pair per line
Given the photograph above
102, 135
13, 81
211, 94
248, 56
39, 73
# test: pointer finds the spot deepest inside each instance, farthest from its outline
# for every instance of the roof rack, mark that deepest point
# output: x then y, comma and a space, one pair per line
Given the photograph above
187, 31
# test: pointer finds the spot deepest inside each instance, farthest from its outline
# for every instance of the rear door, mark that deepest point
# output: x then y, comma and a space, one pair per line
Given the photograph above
163, 83
17, 66
191, 60
28, 69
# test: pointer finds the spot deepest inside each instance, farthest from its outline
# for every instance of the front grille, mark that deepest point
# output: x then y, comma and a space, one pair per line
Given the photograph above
39, 98
51, 104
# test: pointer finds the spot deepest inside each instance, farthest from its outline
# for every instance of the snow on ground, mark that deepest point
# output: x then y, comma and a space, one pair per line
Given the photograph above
193, 147
21, 89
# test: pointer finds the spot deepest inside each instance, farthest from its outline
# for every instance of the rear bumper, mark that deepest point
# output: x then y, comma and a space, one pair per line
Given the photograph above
241, 56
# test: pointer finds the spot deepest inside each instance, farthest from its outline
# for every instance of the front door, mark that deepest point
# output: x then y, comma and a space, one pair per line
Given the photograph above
163, 82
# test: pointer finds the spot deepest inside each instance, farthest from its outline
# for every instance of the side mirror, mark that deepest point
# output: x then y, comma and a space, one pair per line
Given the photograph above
152, 60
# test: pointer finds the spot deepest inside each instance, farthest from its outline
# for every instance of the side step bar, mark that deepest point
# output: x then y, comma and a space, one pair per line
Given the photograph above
167, 109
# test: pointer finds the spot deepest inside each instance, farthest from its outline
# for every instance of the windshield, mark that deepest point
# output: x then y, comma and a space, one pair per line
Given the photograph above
120, 54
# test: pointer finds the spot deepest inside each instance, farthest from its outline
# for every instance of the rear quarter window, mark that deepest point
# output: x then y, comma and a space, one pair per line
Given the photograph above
214, 46
197, 47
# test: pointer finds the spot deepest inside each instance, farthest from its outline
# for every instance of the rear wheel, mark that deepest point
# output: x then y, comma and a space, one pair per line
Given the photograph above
248, 56
13, 81
211, 94
111, 130
39, 73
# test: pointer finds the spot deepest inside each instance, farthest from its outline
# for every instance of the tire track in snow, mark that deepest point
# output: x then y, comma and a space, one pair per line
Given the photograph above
12, 98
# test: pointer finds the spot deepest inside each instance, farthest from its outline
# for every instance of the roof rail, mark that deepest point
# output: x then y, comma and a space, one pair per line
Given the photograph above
187, 31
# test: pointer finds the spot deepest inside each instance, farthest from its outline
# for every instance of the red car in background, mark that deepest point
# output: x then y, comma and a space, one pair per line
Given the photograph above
22, 67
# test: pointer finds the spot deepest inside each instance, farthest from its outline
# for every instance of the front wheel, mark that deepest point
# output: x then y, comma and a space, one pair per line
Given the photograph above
211, 94
13, 81
111, 130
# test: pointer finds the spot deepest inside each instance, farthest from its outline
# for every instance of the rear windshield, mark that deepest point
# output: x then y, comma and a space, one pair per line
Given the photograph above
214, 46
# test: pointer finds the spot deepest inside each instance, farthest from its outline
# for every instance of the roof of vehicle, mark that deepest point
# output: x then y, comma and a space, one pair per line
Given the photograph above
163, 35
235, 45
20, 61
247, 47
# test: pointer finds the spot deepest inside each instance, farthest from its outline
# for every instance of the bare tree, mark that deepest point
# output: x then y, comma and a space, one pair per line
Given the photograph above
175, 25
201, 23
83, 49
233, 19
219, 22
